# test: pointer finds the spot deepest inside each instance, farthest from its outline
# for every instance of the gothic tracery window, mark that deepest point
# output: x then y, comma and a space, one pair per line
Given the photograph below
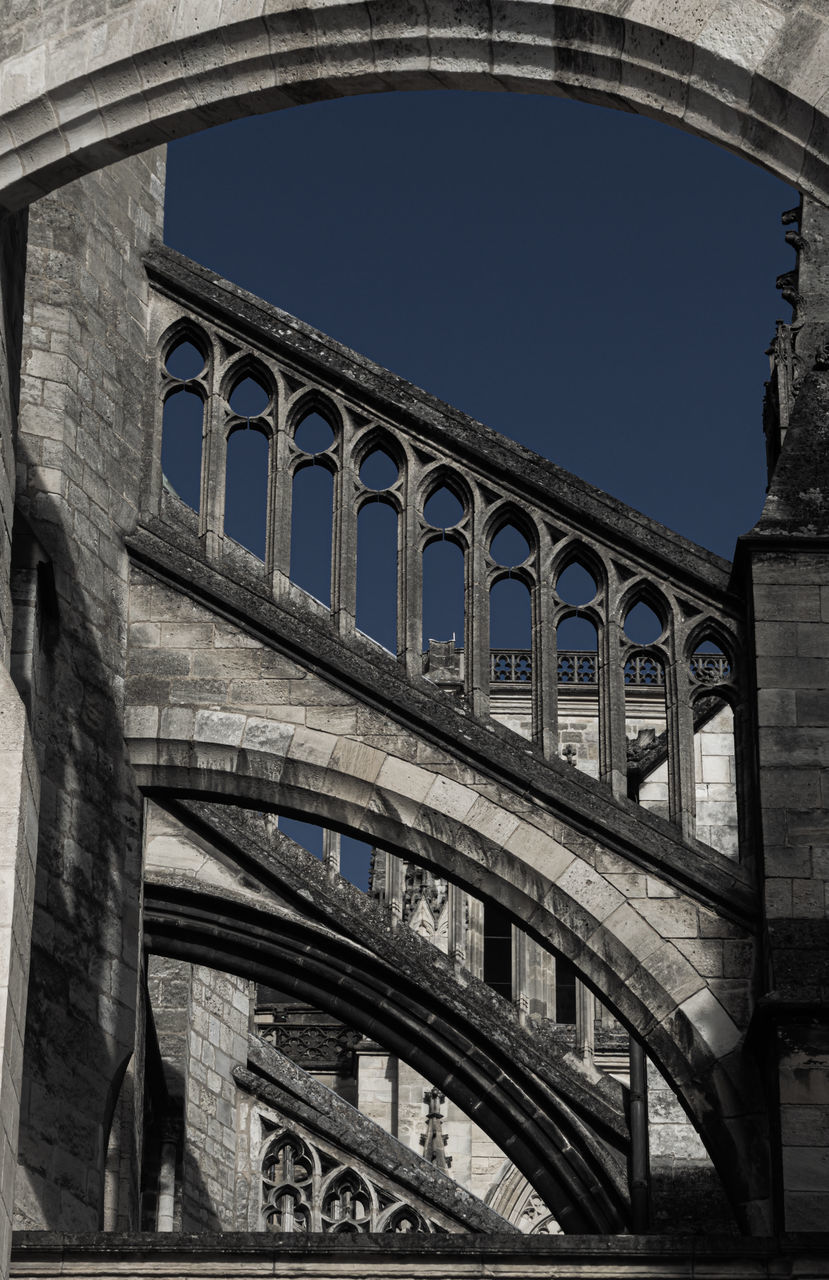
304, 1190
287, 1185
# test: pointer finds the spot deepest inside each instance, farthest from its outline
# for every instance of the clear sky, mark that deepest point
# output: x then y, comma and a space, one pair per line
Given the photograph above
594, 284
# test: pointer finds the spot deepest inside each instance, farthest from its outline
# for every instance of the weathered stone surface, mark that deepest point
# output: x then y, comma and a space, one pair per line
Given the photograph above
327, 1257
233, 696
93, 88
85, 243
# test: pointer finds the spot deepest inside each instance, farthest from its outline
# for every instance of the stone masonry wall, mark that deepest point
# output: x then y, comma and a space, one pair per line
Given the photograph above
12, 269
686, 1193
391, 1094
19, 773
19, 801
220, 1005
715, 784
202, 1019
791, 602
78, 461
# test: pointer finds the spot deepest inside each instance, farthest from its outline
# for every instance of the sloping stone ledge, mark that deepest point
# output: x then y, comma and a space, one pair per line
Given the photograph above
382, 1257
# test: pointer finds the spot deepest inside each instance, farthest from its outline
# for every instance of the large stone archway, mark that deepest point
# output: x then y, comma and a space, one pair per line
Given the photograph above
484, 844
574, 1170
751, 77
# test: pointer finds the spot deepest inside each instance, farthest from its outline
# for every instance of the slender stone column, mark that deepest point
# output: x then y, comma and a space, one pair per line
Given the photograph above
475, 946
520, 974
331, 852
165, 1217
457, 925
395, 874
585, 1022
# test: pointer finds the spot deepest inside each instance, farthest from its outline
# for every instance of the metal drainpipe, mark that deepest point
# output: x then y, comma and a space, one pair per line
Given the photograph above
639, 1159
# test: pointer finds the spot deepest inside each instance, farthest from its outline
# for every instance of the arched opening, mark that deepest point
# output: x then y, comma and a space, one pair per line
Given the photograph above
443, 509
246, 489
378, 471
510, 621
314, 433
575, 585
248, 399
578, 693
312, 514
181, 445
565, 990
646, 727
443, 593
715, 756
498, 949
185, 361
641, 624
509, 547
377, 573
504, 1095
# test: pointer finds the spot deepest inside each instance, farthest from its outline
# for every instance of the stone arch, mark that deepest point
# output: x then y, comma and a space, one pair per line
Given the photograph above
63, 124
569, 1164
74, 108
556, 893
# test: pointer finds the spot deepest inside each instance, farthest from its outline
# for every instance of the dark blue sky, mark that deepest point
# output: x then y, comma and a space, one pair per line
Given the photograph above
594, 284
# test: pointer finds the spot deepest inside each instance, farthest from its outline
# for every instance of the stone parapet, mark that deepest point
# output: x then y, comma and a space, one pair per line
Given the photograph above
326, 1257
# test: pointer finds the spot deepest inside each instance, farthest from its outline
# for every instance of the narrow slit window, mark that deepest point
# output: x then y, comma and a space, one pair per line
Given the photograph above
498, 949
181, 445
715, 775
377, 573
443, 593
565, 990
510, 618
646, 731
714, 752
246, 489
578, 694
510, 656
311, 529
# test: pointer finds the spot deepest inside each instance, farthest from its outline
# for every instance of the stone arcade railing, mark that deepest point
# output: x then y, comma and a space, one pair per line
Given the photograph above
631, 559
579, 666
